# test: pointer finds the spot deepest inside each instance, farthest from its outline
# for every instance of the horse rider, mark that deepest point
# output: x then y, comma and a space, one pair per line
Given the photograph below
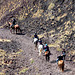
40, 41
13, 23
35, 39
64, 53
46, 48
59, 58
36, 36
48, 52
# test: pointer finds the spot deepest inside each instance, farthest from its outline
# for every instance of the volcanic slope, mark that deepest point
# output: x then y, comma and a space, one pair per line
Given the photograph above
28, 61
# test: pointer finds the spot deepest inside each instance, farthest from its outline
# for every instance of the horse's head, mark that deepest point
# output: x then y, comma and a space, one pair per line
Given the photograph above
9, 23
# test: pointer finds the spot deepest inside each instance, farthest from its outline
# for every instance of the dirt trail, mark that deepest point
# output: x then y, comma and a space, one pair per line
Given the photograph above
39, 65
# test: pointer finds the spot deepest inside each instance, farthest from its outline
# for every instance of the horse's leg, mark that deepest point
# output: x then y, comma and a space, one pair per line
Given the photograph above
48, 57
20, 30
16, 30
36, 46
63, 67
59, 65
39, 52
64, 57
11, 30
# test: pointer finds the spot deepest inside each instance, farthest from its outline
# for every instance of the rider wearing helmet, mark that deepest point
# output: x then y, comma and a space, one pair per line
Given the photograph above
47, 52
46, 48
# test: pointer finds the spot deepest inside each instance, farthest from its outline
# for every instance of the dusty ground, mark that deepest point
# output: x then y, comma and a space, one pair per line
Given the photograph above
17, 54
27, 61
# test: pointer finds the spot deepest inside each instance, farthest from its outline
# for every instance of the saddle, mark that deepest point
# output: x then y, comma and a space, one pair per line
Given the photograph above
46, 52
60, 61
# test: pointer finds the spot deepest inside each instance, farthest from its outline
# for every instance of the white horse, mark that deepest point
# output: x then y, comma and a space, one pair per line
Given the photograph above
40, 48
35, 42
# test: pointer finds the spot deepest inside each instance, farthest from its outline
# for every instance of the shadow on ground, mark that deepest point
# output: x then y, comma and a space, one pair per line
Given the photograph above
20, 33
67, 70
54, 61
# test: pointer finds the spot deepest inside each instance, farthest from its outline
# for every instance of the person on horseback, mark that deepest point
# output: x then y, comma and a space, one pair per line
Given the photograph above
40, 41
36, 36
46, 48
13, 23
47, 52
59, 58
35, 39
64, 53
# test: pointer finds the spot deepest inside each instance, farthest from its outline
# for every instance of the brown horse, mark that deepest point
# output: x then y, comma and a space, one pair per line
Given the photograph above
15, 27
61, 65
47, 54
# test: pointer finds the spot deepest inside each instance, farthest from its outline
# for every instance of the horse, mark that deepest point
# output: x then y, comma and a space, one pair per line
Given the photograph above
47, 54
40, 48
61, 65
15, 27
35, 43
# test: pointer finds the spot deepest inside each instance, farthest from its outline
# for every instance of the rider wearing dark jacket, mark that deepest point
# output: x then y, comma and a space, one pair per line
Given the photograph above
46, 48
14, 22
40, 41
60, 57
48, 54
35, 35
64, 53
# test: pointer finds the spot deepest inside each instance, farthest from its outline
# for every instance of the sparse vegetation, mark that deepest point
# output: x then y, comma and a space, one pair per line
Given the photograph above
54, 22
23, 70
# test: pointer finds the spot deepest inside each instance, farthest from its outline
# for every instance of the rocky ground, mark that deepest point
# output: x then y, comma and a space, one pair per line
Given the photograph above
53, 20
23, 59
42, 16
